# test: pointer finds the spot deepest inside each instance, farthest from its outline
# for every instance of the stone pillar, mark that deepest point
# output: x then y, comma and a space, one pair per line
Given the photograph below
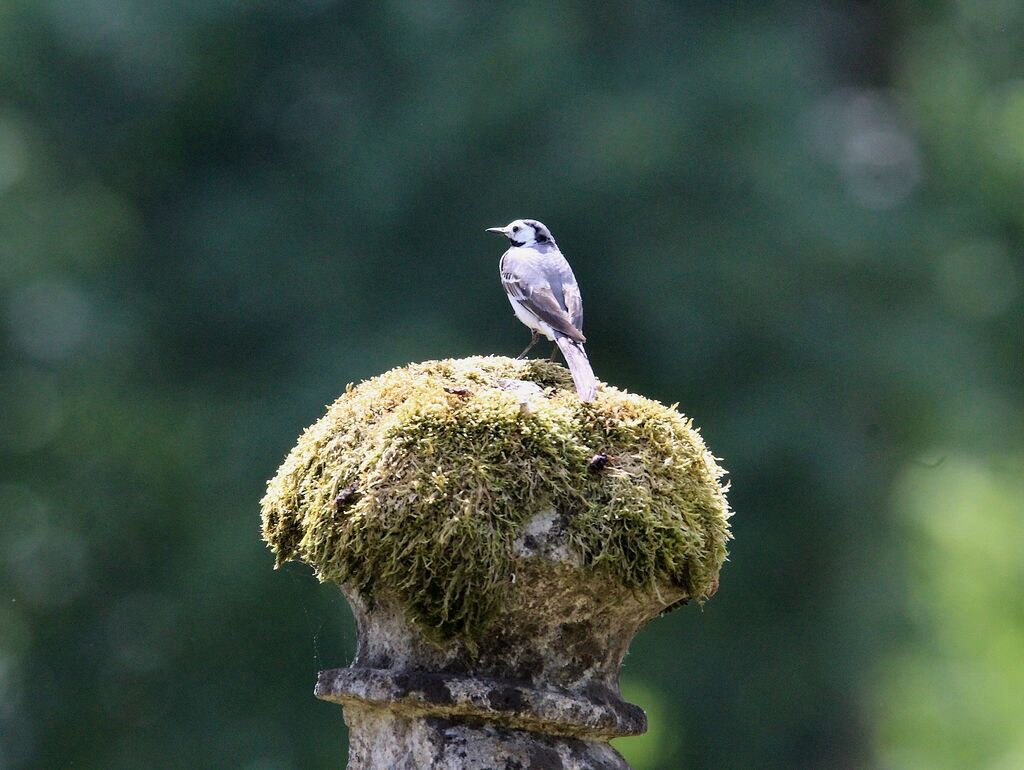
541, 690
500, 544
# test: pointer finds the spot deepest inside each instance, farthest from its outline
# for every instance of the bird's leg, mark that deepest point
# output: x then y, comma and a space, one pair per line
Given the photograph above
555, 351
533, 341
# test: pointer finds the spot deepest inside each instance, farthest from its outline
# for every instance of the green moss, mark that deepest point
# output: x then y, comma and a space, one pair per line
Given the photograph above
418, 481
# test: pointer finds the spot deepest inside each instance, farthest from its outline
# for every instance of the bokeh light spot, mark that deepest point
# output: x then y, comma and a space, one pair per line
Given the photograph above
862, 133
48, 568
48, 320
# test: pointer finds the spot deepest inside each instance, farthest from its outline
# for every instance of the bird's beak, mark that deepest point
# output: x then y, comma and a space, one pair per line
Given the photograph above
498, 230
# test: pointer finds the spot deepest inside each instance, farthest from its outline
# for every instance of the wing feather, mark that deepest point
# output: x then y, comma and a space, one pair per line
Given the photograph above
540, 301
533, 290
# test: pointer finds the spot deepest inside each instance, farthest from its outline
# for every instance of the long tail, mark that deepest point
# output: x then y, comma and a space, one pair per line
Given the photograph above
579, 365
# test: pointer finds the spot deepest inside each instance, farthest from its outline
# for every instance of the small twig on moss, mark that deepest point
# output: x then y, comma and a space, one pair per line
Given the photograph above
346, 497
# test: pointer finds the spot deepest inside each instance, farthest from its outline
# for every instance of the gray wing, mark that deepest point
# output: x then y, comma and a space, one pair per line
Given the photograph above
563, 283
531, 288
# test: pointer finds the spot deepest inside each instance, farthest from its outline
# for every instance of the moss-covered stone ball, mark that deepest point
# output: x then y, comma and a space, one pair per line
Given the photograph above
417, 483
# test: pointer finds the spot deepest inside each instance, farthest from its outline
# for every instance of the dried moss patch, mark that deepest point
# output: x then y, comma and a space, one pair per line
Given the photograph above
418, 481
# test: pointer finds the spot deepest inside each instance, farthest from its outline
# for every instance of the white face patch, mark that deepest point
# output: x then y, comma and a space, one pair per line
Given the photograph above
521, 234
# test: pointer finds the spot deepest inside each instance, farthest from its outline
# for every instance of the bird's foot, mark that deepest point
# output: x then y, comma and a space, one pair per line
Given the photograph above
533, 341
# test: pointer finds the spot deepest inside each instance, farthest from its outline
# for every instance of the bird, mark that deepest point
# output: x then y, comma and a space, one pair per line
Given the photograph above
545, 296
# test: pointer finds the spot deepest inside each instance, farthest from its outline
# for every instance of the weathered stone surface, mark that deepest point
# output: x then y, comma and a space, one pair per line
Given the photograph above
553, 710
540, 691
381, 739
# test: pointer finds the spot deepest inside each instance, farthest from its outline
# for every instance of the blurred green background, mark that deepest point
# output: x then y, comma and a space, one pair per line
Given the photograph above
802, 221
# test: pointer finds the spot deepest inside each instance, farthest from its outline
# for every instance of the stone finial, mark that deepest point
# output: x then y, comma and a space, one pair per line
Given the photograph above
500, 543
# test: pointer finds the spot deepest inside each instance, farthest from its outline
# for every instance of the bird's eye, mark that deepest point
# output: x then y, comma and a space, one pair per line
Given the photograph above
516, 229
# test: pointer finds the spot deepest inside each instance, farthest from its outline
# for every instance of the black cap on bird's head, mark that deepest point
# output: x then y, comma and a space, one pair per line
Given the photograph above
524, 232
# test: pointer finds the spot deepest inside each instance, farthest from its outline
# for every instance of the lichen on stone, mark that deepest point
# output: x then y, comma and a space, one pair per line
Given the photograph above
417, 483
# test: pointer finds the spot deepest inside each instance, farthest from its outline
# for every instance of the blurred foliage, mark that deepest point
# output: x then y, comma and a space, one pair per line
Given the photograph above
801, 221
662, 739
960, 663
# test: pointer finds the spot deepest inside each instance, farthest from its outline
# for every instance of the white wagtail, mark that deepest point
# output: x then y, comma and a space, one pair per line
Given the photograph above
545, 296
